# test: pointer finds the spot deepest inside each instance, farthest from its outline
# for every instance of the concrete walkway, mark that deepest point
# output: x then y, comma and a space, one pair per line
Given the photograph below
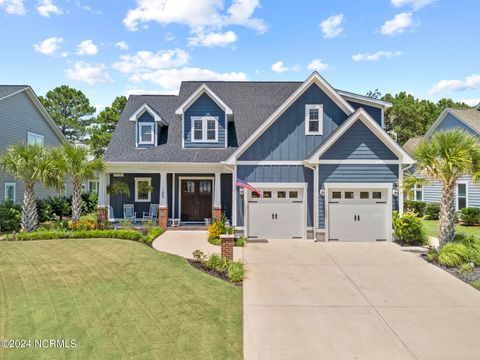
184, 242
306, 300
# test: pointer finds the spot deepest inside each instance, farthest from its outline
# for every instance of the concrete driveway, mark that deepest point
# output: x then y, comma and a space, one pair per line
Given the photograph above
306, 300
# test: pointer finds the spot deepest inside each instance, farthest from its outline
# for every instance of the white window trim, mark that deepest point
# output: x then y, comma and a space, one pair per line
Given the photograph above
204, 120
14, 191
318, 107
415, 189
456, 194
30, 133
137, 180
152, 127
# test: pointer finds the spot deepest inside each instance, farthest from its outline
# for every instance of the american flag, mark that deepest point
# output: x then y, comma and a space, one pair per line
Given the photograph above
245, 185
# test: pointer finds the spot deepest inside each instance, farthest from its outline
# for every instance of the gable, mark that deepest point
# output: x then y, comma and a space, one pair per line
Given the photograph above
375, 112
451, 122
285, 139
359, 142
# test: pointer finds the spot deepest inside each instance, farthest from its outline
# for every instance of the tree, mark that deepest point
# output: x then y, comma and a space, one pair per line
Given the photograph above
32, 164
374, 94
70, 109
445, 157
102, 128
73, 162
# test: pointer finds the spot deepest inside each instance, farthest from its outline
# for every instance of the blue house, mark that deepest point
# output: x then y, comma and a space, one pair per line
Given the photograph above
467, 193
319, 158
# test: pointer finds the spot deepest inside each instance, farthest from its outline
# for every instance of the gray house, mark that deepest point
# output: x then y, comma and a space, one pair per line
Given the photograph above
279, 159
23, 119
467, 194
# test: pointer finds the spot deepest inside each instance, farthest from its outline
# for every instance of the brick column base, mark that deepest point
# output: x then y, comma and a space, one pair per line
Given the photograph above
163, 217
227, 246
102, 215
217, 213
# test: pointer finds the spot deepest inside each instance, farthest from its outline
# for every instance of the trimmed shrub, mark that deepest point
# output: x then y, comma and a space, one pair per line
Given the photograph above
417, 207
44, 211
153, 234
432, 211
409, 229
470, 216
453, 254
236, 272
10, 216
89, 202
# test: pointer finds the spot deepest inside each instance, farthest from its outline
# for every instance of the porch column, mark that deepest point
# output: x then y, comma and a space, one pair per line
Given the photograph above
102, 208
217, 202
162, 203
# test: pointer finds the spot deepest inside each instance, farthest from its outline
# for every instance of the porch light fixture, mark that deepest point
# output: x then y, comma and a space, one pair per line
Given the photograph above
241, 191
395, 191
322, 191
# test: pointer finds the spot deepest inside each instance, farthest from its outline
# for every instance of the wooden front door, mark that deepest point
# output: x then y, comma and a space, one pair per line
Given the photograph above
196, 200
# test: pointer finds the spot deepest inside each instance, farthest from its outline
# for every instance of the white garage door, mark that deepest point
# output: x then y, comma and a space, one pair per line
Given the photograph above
277, 214
358, 215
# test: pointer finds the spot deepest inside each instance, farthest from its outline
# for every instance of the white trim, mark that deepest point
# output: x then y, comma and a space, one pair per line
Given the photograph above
155, 167
234, 196
180, 178
362, 115
31, 133
400, 192
358, 161
137, 180
163, 190
14, 93
204, 119
270, 162
461, 182
442, 117
8, 184
196, 94
365, 100
174, 194
141, 110
387, 186
309, 107
314, 78
152, 127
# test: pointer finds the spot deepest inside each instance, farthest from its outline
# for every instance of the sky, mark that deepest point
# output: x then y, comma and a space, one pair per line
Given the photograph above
428, 48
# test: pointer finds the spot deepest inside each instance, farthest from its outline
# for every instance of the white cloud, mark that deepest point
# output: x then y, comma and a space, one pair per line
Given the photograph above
317, 65
91, 74
145, 61
376, 55
47, 7
170, 79
48, 46
213, 39
122, 45
87, 47
13, 7
415, 4
398, 24
470, 82
279, 67
470, 102
169, 37
332, 26
64, 54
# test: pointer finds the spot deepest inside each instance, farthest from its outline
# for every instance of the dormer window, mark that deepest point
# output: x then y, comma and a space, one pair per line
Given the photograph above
204, 129
147, 133
314, 119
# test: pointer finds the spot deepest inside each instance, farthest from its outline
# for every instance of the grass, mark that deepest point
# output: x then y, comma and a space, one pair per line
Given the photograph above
431, 227
476, 284
117, 299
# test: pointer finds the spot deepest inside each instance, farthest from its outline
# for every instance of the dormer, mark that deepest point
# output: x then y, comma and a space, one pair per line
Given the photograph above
204, 120
147, 123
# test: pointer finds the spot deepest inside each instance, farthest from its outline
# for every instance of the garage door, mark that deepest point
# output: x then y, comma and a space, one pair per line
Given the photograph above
277, 214
358, 215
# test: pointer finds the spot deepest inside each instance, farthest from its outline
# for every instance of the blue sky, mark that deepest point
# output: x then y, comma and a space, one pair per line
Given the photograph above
108, 48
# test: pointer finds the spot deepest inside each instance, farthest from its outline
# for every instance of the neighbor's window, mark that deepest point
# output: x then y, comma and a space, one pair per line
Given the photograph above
10, 191
313, 119
418, 193
34, 139
461, 196
143, 189
146, 133
204, 128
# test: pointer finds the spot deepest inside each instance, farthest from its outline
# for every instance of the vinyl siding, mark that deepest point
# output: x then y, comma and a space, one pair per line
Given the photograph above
354, 173
285, 139
359, 142
204, 105
374, 112
451, 122
432, 192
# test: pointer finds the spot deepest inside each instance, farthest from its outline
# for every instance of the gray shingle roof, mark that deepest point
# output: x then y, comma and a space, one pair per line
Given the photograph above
412, 144
470, 116
6, 90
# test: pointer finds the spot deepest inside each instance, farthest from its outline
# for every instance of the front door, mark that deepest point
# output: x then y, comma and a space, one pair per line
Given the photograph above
196, 200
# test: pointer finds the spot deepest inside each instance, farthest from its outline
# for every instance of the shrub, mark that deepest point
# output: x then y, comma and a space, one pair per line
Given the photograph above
10, 216
409, 229
432, 211
470, 216
453, 254
432, 255
417, 207
44, 211
241, 241
89, 202
199, 256
215, 229
153, 234
466, 268
236, 272
83, 224
61, 206
213, 262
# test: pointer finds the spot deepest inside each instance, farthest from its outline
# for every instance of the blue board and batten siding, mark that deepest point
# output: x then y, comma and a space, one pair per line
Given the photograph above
204, 106
354, 173
374, 112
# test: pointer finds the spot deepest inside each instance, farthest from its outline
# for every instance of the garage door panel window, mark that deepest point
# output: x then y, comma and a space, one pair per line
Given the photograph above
293, 194
336, 194
349, 195
364, 195
377, 195
281, 194
267, 194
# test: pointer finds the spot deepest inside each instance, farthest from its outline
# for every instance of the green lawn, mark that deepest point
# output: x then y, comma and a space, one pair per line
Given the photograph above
118, 299
431, 226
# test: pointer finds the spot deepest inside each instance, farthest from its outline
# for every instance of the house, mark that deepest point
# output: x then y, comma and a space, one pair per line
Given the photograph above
467, 194
23, 119
320, 158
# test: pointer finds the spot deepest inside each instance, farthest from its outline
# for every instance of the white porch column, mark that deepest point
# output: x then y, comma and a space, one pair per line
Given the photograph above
163, 190
217, 202
102, 190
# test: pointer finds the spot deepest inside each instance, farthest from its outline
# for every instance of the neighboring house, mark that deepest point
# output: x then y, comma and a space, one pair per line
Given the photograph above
467, 194
23, 119
320, 158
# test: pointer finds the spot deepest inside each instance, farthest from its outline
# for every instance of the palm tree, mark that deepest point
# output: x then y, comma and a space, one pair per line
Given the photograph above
32, 164
446, 157
74, 162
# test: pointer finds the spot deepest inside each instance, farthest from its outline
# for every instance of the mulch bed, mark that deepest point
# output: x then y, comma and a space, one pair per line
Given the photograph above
212, 272
467, 277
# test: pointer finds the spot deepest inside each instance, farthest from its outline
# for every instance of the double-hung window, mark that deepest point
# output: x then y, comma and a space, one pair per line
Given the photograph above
10, 191
146, 133
204, 129
143, 189
418, 193
34, 139
314, 119
462, 198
